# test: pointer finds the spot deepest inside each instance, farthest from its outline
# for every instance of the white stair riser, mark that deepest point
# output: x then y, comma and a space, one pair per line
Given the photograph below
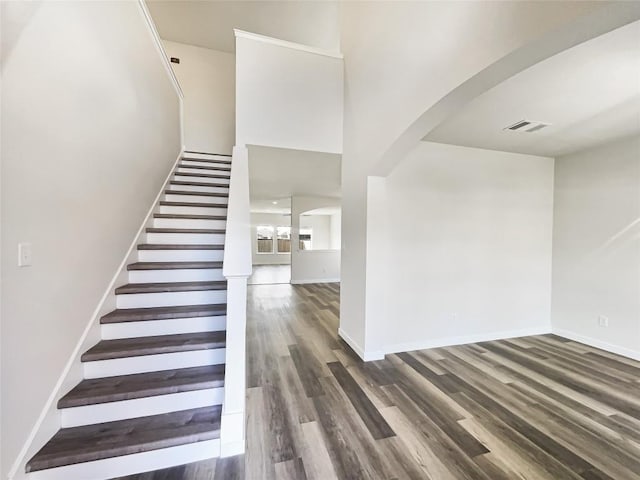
173, 326
199, 188
193, 210
180, 255
200, 171
188, 223
186, 238
132, 464
172, 197
221, 173
187, 163
140, 407
153, 363
208, 156
169, 299
187, 275
187, 178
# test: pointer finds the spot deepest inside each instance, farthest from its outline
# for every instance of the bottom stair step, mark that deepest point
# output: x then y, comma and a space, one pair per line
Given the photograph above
124, 437
127, 387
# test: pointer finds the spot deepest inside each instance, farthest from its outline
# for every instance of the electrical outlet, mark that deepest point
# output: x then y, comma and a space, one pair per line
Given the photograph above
24, 255
603, 321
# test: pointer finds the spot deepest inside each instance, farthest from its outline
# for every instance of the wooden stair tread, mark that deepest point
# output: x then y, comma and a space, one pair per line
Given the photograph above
164, 313
173, 265
199, 194
189, 216
207, 160
140, 346
186, 230
199, 184
202, 167
176, 246
164, 287
123, 437
201, 175
167, 203
141, 385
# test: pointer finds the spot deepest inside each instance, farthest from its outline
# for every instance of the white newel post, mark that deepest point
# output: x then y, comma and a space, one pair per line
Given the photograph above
236, 269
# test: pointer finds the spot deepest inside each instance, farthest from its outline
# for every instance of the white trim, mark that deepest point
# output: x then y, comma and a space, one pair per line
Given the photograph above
315, 280
463, 340
286, 44
164, 58
592, 342
173, 326
366, 356
232, 433
50, 411
158, 43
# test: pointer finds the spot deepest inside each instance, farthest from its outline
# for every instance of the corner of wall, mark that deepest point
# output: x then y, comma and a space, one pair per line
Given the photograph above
367, 356
594, 342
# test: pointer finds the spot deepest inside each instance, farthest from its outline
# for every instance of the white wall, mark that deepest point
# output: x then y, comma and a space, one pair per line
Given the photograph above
287, 97
320, 230
420, 52
313, 266
207, 78
468, 235
1, 383
210, 23
276, 220
336, 231
90, 129
316, 266
596, 246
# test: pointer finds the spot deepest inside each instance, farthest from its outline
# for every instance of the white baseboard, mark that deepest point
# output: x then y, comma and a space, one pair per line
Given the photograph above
315, 280
49, 420
232, 434
592, 342
464, 339
366, 356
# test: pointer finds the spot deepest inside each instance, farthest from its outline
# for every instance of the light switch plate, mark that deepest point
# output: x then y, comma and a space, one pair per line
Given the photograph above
24, 255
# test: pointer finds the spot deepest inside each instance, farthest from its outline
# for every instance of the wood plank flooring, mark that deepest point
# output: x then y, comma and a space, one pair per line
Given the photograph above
533, 408
270, 274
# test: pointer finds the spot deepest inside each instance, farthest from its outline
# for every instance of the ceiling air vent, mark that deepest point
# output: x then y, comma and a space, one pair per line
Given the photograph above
527, 126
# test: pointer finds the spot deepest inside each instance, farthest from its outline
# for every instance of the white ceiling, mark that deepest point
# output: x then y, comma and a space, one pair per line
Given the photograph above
266, 205
590, 94
210, 24
331, 210
275, 174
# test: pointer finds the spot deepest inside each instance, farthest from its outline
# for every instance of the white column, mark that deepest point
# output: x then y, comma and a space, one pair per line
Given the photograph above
236, 269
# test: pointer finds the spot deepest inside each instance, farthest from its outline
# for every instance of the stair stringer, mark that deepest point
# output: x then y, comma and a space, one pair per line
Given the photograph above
50, 419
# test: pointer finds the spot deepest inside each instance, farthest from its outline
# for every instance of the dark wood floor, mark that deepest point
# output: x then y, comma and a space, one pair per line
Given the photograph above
534, 408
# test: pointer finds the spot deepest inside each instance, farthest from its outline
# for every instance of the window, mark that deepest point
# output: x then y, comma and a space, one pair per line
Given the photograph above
283, 234
265, 239
305, 238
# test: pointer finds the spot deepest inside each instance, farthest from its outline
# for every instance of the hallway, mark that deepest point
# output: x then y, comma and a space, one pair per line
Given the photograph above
270, 275
536, 407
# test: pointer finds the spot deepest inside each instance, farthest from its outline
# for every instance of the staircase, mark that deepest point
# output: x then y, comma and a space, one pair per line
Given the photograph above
153, 386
